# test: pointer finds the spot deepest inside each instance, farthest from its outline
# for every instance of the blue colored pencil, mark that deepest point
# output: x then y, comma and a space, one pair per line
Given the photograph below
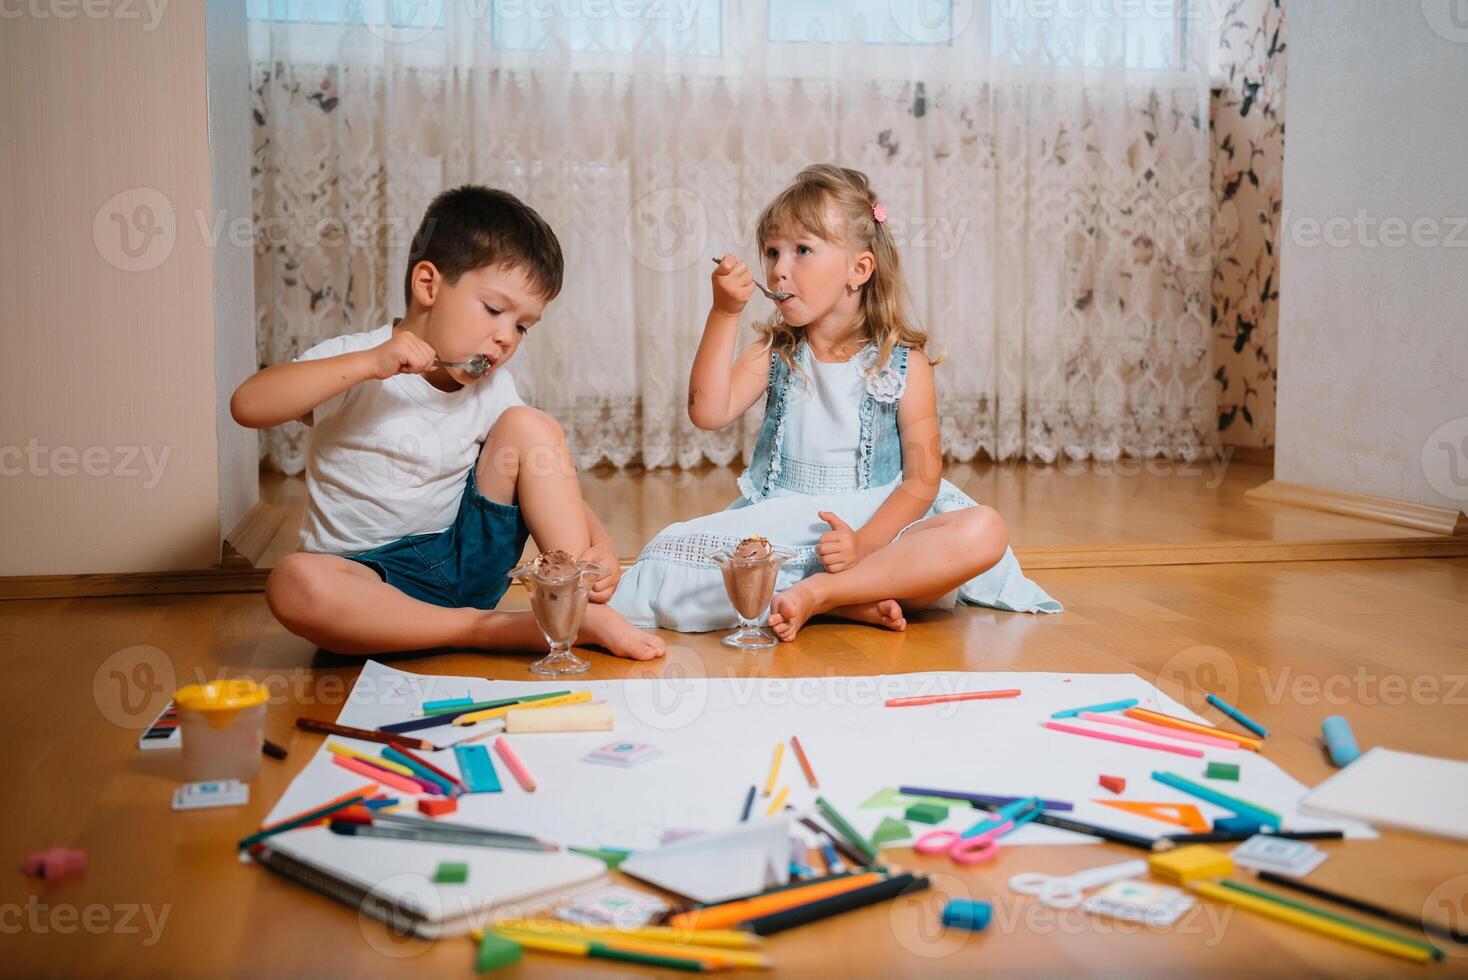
1243, 808
1121, 705
748, 802
1238, 716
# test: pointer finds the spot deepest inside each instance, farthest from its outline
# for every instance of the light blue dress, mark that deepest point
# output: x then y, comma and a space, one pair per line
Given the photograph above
828, 443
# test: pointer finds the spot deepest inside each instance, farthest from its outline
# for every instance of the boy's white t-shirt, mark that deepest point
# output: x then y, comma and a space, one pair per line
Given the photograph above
392, 458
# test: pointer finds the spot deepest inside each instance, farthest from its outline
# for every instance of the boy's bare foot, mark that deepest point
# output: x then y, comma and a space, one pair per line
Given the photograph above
605, 627
886, 613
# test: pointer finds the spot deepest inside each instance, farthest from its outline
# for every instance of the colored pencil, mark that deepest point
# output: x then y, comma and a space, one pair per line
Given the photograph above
437, 835
1121, 705
474, 717
336, 748
413, 759
309, 816
1222, 837
1048, 819
1360, 905
711, 938
468, 707
774, 769
1151, 729
850, 853
881, 891
731, 914
1238, 716
845, 829
592, 949
386, 777
1309, 920
778, 802
1243, 808
810, 774
748, 803
1123, 739
366, 735
1158, 718
980, 798
945, 698
1334, 916
516, 767
627, 939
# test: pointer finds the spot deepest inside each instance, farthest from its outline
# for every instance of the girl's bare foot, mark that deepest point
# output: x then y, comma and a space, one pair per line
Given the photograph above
605, 627
790, 609
886, 613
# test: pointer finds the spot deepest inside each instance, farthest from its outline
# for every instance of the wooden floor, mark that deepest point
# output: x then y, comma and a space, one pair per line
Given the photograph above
1066, 515
1379, 641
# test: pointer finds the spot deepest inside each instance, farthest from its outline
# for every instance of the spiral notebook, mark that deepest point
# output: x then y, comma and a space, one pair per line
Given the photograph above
392, 880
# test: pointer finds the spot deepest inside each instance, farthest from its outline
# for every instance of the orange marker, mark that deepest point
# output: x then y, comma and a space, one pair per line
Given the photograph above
1182, 724
1012, 692
517, 768
732, 913
810, 774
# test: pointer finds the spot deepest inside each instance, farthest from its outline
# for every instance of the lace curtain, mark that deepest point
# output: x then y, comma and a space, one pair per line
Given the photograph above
1047, 177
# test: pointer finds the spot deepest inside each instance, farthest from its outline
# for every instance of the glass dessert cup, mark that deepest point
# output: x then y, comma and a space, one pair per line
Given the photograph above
558, 590
750, 582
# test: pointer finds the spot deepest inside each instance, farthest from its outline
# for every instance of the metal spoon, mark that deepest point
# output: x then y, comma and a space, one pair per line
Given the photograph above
777, 295
475, 367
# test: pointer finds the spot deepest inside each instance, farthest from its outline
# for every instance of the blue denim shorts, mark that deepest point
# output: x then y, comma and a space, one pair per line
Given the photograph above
466, 564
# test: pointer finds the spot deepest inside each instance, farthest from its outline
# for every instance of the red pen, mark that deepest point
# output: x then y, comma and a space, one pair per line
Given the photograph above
1012, 692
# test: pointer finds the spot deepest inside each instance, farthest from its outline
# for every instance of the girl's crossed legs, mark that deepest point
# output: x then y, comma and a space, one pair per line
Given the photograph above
930, 559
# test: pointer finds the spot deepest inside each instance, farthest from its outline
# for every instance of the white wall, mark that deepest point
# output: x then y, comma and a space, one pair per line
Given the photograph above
1373, 346
111, 378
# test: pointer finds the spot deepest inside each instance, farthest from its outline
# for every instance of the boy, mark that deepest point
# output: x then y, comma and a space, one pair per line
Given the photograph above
423, 480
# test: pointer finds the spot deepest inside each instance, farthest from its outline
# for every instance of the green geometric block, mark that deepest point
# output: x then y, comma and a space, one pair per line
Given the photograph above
1222, 770
890, 830
927, 813
496, 951
451, 873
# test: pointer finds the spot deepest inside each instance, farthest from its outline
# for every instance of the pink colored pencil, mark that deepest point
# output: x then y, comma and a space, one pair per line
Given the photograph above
517, 768
383, 776
1123, 739
1178, 733
1012, 692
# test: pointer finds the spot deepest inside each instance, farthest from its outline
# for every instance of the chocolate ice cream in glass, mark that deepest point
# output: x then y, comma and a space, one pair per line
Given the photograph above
750, 569
558, 585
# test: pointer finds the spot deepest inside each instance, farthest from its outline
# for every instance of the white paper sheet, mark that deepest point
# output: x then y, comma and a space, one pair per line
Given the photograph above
718, 735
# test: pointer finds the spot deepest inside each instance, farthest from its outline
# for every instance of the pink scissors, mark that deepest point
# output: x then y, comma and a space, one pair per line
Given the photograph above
980, 842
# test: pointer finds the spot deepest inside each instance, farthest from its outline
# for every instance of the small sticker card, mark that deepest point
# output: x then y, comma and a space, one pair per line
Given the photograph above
623, 754
1263, 852
624, 908
218, 792
1140, 901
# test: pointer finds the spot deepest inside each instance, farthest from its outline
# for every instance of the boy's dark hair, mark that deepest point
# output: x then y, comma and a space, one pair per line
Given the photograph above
471, 227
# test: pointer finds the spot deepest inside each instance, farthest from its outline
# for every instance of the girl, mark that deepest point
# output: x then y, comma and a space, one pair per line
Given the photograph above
847, 467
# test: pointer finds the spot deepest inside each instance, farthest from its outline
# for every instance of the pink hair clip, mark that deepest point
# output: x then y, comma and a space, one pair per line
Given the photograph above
879, 212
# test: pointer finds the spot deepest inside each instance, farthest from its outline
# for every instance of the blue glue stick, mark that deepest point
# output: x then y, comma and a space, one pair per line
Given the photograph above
1340, 741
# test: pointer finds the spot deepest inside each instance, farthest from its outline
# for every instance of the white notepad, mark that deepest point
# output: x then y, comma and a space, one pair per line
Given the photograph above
392, 880
1398, 789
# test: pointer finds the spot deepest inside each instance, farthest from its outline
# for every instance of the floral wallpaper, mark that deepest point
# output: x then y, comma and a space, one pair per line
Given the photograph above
1248, 165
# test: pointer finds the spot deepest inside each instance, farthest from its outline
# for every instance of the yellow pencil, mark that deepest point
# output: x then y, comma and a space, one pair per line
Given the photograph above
503, 710
376, 760
1305, 920
707, 954
718, 938
774, 769
598, 949
779, 801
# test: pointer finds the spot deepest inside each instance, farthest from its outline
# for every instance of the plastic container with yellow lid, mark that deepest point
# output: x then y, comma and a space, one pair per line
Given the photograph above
222, 724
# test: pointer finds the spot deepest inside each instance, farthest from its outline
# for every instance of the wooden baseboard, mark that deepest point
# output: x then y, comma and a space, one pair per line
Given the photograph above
1404, 513
224, 580
245, 545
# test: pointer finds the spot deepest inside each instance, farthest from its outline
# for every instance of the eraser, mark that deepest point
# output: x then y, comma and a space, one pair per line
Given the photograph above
962, 914
1222, 770
437, 806
451, 873
58, 862
496, 951
1185, 864
592, 716
927, 813
1340, 741
1237, 825
1114, 783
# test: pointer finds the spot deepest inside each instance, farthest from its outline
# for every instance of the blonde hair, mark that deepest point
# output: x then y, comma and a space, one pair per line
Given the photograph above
883, 317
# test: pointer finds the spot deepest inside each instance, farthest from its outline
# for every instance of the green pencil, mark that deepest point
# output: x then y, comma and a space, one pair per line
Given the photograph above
847, 830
